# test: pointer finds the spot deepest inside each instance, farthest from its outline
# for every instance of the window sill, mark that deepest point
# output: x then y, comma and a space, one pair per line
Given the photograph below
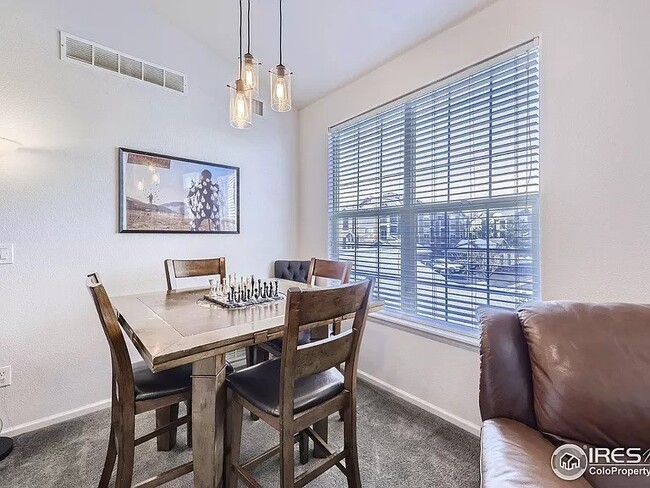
427, 330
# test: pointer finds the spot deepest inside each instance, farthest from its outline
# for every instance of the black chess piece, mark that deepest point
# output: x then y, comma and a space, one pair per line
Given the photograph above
266, 290
275, 293
231, 295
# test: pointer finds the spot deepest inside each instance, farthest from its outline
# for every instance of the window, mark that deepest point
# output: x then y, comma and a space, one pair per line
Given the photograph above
436, 194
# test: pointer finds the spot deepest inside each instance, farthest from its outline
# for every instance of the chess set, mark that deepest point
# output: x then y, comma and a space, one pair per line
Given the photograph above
243, 292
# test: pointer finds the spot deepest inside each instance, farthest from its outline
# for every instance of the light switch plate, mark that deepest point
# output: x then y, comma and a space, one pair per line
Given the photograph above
6, 253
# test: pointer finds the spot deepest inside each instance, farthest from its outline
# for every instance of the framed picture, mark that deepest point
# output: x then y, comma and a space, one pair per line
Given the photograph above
166, 194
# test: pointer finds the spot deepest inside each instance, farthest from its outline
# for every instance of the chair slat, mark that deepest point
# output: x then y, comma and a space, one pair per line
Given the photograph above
323, 355
328, 269
329, 304
192, 268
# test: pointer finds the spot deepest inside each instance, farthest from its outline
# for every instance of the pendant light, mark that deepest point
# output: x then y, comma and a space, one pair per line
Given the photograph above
241, 101
281, 81
251, 66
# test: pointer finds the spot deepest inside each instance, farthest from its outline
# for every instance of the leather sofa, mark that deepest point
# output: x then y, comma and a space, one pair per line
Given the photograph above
562, 372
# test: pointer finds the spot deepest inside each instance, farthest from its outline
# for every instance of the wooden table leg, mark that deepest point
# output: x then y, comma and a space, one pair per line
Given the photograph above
208, 420
321, 427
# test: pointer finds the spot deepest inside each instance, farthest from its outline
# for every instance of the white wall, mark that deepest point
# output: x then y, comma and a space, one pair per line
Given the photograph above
58, 195
594, 168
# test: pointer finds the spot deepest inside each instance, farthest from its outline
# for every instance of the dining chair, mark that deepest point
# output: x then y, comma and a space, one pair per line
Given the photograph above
302, 387
176, 269
317, 268
192, 268
135, 390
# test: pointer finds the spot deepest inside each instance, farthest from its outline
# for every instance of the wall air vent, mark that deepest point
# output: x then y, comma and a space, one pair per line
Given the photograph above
258, 107
80, 50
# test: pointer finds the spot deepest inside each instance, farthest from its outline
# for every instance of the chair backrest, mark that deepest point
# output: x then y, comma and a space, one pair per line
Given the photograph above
191, 268
325, 268
291, 270
322, 306
123, 387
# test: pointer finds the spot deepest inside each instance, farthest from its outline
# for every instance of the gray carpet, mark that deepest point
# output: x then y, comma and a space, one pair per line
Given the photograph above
399, 446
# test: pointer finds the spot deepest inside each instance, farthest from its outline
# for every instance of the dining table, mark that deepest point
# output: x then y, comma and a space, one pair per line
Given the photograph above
179, 327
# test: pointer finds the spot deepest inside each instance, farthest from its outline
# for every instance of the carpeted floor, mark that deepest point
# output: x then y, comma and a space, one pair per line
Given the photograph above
400, 446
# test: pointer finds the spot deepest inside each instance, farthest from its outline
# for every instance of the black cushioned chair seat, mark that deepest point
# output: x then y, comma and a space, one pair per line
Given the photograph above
260, 385
150, 385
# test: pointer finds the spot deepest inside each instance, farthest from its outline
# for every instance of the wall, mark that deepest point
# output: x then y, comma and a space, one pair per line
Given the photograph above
58, 194
594, 169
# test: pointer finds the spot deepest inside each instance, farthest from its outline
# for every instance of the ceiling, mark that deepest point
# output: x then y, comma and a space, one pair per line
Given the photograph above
327, 43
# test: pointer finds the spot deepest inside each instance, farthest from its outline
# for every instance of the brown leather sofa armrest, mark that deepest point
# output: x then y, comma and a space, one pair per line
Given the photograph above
505, 386
515, 456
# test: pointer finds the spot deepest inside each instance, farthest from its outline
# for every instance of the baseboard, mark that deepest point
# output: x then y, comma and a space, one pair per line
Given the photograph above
95, 407
56, 418
470, 427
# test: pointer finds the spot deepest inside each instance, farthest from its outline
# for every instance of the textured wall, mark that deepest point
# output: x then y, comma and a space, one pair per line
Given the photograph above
58, 195
594, 165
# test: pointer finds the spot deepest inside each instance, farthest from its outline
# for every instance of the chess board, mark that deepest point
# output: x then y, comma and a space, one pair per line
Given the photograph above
225, 303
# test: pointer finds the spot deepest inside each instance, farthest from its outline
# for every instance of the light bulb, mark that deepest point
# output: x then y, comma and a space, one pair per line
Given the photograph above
250, 73
240, 106
280, 89
248, 78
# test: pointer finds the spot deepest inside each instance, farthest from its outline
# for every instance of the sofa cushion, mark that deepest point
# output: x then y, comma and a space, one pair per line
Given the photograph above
591, 371
515, 456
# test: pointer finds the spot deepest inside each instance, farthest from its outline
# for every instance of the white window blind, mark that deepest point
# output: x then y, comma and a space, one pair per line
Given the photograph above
436, 195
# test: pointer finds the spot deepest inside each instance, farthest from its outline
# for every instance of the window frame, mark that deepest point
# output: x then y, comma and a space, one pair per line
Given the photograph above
409, 240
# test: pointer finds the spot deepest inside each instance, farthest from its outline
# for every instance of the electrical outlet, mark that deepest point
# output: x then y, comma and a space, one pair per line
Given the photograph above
5, 376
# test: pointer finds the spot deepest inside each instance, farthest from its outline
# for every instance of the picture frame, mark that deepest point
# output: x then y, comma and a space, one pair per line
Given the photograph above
164, 194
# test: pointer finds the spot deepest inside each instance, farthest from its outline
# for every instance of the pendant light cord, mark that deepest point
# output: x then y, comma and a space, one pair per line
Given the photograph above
240, 38
280, 31
249, 26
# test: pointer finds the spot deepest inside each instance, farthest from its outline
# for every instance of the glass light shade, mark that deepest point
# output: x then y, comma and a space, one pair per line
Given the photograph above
280, 89
251, 74
241, 106
7, 146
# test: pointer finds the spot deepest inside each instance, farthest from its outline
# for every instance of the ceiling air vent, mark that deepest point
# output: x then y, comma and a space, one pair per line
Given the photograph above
80, 50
